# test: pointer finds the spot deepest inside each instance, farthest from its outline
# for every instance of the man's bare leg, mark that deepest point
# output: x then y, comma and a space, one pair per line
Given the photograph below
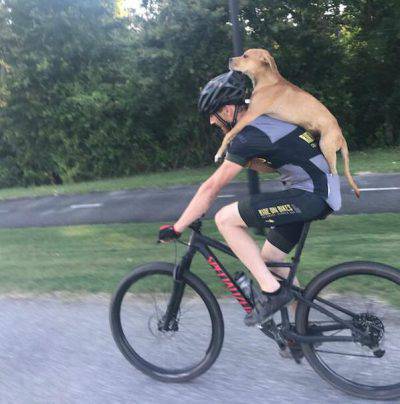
270, 253
235, 232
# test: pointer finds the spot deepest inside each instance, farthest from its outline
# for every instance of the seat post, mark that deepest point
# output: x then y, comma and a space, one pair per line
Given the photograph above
299, 249
302, 240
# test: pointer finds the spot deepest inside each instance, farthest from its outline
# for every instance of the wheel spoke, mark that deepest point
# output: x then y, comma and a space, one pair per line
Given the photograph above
345, 354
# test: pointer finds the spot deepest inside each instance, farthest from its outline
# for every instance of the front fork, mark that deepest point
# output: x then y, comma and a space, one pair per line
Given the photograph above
169, 320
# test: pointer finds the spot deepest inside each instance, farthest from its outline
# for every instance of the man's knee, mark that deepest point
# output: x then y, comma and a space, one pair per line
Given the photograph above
222, 217
229, 216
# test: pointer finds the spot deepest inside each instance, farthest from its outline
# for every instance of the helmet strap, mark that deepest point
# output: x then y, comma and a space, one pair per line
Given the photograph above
235, 114
229, 125
222, 120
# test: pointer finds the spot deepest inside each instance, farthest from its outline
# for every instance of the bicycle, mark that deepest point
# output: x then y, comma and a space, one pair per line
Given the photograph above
333, 320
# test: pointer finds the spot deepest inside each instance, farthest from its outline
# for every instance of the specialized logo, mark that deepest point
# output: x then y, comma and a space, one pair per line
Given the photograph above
229, 284
272, 211
307, 137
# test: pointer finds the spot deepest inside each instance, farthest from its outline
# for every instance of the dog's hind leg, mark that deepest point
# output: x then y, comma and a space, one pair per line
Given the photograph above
331, 141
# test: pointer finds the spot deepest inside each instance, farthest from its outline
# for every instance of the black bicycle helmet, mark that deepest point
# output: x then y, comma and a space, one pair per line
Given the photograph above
225, 89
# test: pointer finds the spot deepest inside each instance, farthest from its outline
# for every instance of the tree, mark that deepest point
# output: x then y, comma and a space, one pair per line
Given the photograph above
86, 95
180, 45
90, 96
372, 44
64, 80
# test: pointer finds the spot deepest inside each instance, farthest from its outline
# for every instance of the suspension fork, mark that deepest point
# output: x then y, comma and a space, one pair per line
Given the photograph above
177, 290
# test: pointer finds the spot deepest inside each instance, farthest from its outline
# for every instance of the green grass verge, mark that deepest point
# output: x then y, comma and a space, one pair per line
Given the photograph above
374, 160
377, 160
94, 258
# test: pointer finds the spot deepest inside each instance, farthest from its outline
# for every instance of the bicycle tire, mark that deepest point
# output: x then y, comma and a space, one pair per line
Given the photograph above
313, 288
128, 351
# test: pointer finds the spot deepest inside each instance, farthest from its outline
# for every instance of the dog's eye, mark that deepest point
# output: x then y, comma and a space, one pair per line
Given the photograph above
245, 56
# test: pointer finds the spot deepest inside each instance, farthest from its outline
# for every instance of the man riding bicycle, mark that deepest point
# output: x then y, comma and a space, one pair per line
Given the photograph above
266, 145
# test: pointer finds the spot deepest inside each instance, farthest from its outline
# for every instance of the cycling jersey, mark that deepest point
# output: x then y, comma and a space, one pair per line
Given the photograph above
292, 151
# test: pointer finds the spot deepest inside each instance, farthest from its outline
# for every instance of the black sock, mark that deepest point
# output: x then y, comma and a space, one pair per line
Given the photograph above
273, 293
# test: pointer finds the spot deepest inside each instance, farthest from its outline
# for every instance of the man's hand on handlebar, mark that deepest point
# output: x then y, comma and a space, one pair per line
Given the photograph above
167, 233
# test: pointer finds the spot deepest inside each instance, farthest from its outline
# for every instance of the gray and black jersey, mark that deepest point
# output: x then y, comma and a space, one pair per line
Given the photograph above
292, 151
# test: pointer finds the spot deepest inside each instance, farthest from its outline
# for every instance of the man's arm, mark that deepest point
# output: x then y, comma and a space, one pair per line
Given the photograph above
207, 193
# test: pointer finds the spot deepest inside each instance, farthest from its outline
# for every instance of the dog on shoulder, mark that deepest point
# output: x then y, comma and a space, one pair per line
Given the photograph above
275, 96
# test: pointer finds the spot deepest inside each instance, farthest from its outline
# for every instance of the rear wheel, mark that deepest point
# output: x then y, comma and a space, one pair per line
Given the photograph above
368, 366
192, 343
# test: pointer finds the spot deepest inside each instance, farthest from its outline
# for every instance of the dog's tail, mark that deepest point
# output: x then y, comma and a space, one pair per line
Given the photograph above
346, 162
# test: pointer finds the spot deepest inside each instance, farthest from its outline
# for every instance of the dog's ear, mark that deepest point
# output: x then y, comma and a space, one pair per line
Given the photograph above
269, 60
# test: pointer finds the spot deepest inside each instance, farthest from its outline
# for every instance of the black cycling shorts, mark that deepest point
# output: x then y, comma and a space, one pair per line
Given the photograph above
285, 212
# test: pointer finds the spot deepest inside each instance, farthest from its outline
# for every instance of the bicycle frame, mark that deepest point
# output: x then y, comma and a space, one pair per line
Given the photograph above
201, 243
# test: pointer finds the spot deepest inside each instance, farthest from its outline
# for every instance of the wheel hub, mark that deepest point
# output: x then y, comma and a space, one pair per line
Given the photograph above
372, 328
172, 326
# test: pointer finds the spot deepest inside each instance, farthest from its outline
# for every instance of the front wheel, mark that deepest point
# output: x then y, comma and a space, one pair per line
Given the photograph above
366, 295
193, 342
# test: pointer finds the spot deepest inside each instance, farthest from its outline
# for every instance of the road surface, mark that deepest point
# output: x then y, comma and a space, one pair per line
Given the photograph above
60, 350
380, 193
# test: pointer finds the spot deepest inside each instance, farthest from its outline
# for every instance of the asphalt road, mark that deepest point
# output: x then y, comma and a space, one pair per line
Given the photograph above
380, 193
58, 350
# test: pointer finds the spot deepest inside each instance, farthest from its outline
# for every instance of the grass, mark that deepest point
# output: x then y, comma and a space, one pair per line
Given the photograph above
94, 258
376, 160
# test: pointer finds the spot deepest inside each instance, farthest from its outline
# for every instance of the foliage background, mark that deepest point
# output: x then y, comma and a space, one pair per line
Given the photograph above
87, 95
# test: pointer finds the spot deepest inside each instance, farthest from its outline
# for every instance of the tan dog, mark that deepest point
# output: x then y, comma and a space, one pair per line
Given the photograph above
275, 96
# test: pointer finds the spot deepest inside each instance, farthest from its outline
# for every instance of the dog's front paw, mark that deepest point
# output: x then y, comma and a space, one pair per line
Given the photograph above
218, 158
